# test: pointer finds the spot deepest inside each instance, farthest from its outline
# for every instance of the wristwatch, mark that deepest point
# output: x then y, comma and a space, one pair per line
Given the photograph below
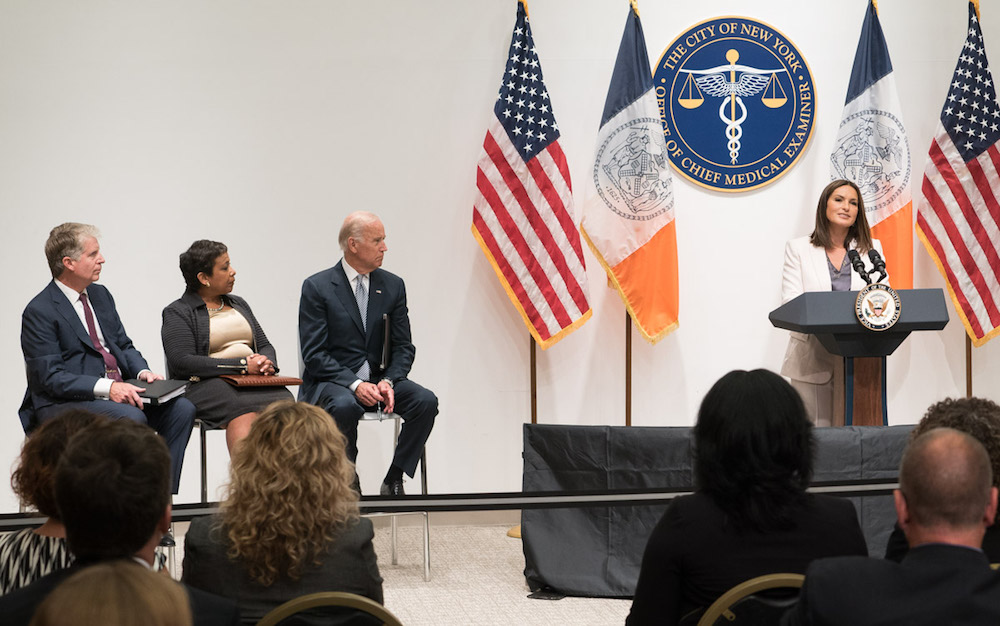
386, 380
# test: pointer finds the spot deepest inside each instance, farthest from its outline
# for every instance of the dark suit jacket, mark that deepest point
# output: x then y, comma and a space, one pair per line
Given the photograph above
898, 546
349, 565
934, 584
18, 607
61, 361
332, 338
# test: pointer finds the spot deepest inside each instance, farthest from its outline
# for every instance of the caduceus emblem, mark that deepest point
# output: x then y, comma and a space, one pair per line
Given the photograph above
722, 82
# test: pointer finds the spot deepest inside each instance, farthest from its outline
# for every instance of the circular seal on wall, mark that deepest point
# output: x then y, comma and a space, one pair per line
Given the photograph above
737, 101
877, 307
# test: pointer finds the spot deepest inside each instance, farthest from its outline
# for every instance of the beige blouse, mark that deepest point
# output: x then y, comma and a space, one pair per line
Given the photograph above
229, 335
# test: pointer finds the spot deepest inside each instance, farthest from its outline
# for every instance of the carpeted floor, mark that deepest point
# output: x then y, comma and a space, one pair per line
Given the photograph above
476, 579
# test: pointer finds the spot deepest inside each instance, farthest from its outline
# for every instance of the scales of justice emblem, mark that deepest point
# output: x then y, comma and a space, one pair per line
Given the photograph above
722, 82
737, 103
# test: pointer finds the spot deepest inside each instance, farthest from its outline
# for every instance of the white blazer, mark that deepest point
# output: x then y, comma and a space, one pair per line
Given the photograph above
805, 270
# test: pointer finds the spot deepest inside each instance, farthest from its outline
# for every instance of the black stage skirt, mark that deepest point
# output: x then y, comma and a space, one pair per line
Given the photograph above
218, 402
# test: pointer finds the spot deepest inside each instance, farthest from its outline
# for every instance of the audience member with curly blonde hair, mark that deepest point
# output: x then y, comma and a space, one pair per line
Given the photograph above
979, 418
115, 593
289, 524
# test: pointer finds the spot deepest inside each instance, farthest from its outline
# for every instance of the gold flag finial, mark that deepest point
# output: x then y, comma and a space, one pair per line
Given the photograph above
635, 6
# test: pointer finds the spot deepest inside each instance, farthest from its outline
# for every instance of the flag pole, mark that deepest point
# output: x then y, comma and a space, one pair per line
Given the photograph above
968, 366
515, 531
534, 381
628, 369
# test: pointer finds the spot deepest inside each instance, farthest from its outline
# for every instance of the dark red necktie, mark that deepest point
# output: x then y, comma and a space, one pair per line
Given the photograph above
110, 362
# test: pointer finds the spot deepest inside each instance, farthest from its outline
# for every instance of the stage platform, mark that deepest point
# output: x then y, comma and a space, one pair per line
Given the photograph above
596, 551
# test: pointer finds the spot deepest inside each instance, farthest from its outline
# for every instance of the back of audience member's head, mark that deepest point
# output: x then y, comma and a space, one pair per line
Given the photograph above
978, 417
289, 492
946, 480
112, 488
754, 448
34, 479
115, 593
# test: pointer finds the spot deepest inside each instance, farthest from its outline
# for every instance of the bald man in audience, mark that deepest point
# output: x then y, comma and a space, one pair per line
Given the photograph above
945, 502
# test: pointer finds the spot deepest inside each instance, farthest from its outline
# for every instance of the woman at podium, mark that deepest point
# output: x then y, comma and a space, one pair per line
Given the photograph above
820, 262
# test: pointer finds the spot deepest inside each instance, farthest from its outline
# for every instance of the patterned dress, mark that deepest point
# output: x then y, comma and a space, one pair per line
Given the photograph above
26, 556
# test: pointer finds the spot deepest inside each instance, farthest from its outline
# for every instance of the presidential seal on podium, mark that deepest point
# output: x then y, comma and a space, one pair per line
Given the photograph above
877, 307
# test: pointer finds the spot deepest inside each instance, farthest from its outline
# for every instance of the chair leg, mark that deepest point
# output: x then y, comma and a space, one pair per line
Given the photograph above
172, 556
427, 548
427, 521
204, 465
392, 523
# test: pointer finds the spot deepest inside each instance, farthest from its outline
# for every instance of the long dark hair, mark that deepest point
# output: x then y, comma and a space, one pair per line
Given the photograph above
754, 449
859, 232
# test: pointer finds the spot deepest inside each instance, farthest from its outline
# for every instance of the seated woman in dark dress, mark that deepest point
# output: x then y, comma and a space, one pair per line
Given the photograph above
751, 514
979, 418
29, 554
290, 524
208, 332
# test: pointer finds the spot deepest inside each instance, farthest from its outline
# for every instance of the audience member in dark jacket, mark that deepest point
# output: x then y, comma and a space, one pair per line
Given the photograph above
979, 418
945, 501
290, 524
112, 488
751, 514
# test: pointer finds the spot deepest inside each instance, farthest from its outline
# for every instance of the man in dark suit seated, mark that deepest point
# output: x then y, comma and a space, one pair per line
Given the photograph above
112, 488
945, 502
341, 335
77, 354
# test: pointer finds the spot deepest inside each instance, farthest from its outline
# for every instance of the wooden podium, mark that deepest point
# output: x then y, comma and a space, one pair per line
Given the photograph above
830, 317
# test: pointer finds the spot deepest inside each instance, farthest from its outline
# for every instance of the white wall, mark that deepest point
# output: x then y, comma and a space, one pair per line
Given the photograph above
262, 124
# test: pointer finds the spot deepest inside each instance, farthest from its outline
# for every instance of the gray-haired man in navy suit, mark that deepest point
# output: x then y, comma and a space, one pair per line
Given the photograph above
77, 354
341, 334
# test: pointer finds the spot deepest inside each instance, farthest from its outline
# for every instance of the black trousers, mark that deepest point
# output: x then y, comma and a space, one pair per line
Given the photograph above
417, 406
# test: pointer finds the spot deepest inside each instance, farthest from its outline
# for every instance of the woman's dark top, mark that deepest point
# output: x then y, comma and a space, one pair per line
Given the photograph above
185, 334
694, 553
348, 565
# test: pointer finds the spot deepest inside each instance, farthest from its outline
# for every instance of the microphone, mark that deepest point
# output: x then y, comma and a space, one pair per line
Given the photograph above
878, 265
859, 265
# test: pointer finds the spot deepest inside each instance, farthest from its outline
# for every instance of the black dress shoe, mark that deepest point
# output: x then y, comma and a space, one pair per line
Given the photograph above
393, 488
167, 541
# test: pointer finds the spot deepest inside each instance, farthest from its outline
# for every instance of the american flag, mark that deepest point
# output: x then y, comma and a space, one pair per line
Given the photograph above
959, 219
523, 212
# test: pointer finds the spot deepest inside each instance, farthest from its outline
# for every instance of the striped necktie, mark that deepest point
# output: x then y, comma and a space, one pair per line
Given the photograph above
361, 294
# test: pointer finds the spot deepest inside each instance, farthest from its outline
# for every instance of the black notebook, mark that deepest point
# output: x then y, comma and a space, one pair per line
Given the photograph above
159, 391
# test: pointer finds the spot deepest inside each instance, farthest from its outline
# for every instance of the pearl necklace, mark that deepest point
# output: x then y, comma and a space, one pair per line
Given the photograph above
222, 305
